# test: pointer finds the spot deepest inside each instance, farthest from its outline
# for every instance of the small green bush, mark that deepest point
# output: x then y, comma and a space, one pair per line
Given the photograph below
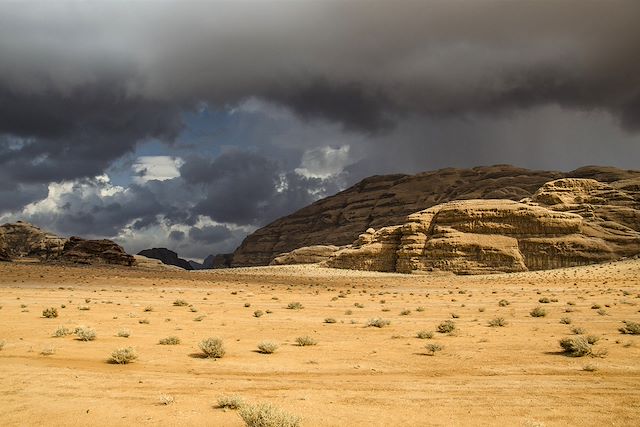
405, 312
85, 334
576, 346
497, 322
446, 327
330, 320
124, 333
123, 356
180, 303
50, 312
631, 328
378, 323
295, 306
172, 340
565, 320
424, 335
544, 300
267, 415
503, 303
578, 330
212, 348
258, 313
433, 348
230, 402
267, 347
305, 341
538, 312
62, 331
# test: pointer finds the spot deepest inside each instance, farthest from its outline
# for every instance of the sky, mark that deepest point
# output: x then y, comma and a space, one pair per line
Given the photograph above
188, 125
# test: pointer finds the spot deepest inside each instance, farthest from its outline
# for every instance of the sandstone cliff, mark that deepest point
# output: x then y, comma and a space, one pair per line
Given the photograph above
381, 201
566, 222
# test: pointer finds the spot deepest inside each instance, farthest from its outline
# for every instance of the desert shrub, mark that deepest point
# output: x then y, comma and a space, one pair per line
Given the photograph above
172, 340
596, 307
180, 303
199, 318
62, 331
578, 330
85, 334
212, 347
576, 346
455, 316
433, 348
166, 399
50, 312
122, 356
544, 300
144, 321
84, 308
295, 306
48, 351
590, 368
420, 309
602, 312
230, 402
330, 320
267, 415
538, 312
247, 304
424, 335
378, 322
503, 303
498, 321
2, 344
565, 320
446, 327
148, 308
631, 328
305, 340
348, 312
592, 339
405, 312
258, 313
481, 309
358, 305
267, 347
124, 333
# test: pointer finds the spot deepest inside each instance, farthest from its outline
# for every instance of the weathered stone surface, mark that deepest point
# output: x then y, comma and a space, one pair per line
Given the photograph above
219, 261
306, 255
567, 222
381, 201
4, 256
21, 239
82, 251
167, 257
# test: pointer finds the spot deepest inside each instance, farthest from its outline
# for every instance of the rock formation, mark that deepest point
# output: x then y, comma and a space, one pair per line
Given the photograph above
219, 261
567, 222
82, 251
167, 257
381, 201
153, 264
21, 239
4, 256
306, 255
24, 240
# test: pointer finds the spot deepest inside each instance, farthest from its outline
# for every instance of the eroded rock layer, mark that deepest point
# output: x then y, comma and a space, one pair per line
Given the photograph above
381, 201
566, 222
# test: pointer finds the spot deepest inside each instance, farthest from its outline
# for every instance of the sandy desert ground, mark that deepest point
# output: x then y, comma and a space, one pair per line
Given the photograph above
355, 375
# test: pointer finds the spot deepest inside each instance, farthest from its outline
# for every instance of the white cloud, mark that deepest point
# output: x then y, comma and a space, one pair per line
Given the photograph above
158, 168
323, 162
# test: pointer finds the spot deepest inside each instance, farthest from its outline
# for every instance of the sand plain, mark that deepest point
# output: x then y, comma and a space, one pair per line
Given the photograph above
355, 375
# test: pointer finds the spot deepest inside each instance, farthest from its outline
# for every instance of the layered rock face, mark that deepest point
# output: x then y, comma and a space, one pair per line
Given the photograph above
306, 255
24, 240
167, 256
381, 201
566, 222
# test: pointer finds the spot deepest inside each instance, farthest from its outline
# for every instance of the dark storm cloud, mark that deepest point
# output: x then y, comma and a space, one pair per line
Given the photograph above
177, 235
210, 234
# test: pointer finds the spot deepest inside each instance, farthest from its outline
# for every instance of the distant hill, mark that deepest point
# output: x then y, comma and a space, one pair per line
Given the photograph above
167, 256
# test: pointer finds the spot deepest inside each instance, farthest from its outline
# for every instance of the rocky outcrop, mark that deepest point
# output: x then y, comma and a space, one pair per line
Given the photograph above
381, 201
82, 251
219, 261
153, 264
4, 256
167, 257
566, 222
306, 255
24, 240
21, 239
